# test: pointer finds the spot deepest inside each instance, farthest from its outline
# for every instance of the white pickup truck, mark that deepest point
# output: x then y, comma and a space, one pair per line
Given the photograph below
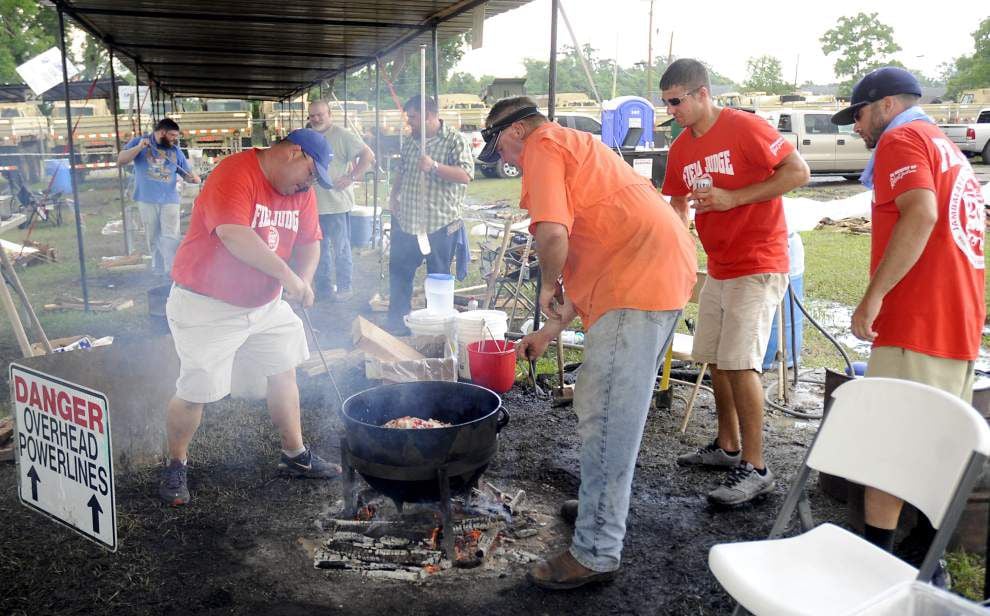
972, 139
828, 149
501, 169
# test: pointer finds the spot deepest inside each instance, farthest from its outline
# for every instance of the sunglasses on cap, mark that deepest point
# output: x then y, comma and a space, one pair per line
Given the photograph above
491, 134
677, 100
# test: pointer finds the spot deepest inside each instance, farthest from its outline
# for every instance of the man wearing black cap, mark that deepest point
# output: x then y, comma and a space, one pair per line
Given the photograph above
923, 309
254, 236
612, 252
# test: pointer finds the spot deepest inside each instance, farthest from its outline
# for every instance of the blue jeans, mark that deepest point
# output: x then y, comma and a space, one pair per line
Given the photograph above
161, 233
337, 242
622, 355
404, 258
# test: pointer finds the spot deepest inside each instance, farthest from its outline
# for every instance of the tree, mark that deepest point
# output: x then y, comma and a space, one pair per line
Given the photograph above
972, 71
765, 75
861, 43
26, 29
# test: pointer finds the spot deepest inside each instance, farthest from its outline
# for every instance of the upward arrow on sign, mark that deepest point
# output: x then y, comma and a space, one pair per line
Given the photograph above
94, 504
33, 474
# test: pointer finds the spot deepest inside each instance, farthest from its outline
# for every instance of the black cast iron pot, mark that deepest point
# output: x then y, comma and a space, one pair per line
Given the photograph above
404, 464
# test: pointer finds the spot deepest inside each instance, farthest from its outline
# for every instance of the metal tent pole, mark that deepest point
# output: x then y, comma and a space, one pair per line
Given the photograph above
436, 65
551, 106
120, 172
72, 159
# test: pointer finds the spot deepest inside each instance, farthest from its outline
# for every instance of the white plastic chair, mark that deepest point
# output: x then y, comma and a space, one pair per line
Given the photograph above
910, 440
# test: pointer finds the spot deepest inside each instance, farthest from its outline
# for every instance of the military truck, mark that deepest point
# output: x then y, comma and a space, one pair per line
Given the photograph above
466, 112
24, 138
222, 127
94, 138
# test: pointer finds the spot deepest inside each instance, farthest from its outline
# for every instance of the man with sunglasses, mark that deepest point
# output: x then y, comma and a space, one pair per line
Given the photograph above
732, 168
614, 253
253, 237
923, 309
426, 202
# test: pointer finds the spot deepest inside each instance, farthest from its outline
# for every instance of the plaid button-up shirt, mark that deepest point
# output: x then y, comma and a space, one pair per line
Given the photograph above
440, 205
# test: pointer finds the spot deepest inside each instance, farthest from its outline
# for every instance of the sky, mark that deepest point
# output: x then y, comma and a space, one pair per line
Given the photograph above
724, 34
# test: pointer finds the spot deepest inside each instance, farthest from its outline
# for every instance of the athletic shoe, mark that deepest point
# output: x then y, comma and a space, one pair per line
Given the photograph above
173, 490
742, 485
308, 464
343, 295
710, 455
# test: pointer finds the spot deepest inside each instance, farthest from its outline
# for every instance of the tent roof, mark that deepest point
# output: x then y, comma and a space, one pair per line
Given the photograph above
261, 49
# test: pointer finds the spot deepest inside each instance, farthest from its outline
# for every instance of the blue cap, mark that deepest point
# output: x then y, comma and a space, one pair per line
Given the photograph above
883, 82
317, 148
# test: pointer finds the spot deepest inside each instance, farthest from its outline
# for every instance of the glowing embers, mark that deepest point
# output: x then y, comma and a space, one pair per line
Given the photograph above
383, 542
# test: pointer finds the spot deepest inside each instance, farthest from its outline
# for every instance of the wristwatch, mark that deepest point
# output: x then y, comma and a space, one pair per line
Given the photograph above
436, 167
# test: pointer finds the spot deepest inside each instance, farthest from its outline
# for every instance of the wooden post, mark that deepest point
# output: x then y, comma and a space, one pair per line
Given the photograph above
490, 292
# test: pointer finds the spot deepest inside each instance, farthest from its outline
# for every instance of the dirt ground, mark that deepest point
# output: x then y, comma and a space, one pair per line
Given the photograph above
242, 545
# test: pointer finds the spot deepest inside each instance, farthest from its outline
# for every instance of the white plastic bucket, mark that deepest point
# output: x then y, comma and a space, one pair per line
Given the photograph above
471, 327
426, 323
439, 289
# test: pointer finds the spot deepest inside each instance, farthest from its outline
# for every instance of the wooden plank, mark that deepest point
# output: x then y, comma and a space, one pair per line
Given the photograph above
380, 344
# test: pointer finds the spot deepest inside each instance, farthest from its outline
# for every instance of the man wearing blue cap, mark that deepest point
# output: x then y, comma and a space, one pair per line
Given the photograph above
254, 236
923, 309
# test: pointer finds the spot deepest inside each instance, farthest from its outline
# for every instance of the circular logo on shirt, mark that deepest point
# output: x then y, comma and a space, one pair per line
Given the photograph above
967, 217
273, 238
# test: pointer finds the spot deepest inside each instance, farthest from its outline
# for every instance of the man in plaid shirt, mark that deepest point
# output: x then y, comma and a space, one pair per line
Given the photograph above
426, 200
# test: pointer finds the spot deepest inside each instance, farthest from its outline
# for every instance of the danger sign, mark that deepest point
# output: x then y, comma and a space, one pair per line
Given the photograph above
64, 461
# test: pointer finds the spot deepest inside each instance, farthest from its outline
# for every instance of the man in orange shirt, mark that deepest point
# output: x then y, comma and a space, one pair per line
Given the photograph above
734, 167
924, 307
612, 252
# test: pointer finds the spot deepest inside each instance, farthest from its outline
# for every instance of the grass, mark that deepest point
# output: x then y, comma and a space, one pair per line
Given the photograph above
967, 571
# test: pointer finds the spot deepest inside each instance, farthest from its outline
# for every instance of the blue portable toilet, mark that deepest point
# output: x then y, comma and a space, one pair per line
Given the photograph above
793, 323
625, 116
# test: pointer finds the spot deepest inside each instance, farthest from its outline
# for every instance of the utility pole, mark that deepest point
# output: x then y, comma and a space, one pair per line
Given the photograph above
649, 57
797, 63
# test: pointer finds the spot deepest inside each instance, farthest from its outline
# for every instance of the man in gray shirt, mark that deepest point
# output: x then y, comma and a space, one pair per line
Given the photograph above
351, 159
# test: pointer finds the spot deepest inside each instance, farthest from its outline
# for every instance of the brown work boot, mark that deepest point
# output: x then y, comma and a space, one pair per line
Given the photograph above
563, 572
569, 511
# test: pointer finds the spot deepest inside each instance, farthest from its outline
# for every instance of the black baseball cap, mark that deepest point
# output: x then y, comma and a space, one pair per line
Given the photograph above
491, 134
883, 82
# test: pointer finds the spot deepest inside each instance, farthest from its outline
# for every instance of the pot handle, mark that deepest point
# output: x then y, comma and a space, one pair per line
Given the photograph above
502, 420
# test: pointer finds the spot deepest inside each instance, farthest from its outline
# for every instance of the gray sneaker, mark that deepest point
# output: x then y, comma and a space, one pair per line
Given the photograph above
710, 455
173, 490
308, 464
742, 485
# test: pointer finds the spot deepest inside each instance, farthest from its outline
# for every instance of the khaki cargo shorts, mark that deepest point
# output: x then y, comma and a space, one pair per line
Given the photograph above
954, 376
209, 333
735, 317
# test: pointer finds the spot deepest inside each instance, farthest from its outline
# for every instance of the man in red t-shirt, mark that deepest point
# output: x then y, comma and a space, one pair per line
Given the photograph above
254, 235
923, 309
732, 168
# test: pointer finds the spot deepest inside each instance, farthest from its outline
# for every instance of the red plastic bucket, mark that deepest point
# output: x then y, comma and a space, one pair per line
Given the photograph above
493, 364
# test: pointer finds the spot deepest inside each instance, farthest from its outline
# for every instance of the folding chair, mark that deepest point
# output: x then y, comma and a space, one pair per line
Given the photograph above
910, 440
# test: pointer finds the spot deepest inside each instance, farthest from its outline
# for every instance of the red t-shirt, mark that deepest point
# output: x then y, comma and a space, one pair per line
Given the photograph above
739, 150
237, 193
937, 308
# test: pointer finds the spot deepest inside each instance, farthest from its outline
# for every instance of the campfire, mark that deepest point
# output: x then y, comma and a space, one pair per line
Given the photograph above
383, 541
